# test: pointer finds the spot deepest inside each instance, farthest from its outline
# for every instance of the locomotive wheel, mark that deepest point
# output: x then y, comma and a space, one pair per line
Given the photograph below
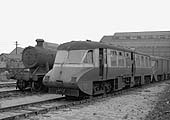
21, 84
37, 86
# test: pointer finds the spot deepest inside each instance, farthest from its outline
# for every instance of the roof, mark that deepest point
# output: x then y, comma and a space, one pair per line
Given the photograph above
49, 45
11, 56
142, 33
19, 51
87, 45
4, 55
107, 38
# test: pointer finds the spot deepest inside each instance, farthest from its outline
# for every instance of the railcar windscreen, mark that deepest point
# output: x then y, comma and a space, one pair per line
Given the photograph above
73, 56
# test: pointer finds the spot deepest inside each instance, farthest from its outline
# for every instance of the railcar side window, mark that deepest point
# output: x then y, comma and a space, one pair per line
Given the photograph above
137, 60
113, 53
120, 53
113, 57
121, 59
142, 61
146, 61
149, 62
89, 57
128, 59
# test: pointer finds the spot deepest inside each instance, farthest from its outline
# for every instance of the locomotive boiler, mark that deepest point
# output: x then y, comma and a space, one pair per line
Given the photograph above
90, 68
38, 61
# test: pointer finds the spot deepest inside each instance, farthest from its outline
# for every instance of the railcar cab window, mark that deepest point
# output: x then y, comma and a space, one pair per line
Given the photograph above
61, 56
69, 57
89, 57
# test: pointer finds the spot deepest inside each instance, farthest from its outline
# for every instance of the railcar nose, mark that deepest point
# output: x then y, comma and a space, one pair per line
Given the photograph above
59, 77
65, 77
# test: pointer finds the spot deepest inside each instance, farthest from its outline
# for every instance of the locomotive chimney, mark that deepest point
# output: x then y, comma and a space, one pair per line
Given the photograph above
40, 42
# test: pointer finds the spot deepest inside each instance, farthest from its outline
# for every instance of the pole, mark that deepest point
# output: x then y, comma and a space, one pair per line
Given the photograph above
16, 43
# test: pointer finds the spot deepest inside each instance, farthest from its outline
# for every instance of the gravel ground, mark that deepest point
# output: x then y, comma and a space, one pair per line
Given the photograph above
161, 110
134, 105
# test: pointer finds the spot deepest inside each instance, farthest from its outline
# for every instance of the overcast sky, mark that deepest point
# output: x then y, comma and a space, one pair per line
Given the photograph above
60, 21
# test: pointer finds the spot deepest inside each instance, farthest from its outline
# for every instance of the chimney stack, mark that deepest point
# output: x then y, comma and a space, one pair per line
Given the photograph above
40, 42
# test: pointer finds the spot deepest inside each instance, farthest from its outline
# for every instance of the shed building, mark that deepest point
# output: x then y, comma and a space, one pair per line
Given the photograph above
155, 43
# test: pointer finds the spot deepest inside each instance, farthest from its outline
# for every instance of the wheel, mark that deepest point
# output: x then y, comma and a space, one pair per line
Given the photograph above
37, 86
21, 84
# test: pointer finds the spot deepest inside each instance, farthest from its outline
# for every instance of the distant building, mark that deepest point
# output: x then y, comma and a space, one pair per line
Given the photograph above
155, 43
3, 60
17, 51
12, 60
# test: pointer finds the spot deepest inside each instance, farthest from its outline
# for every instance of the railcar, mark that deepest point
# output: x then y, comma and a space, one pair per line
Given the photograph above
91, 68
161, 68
38, 61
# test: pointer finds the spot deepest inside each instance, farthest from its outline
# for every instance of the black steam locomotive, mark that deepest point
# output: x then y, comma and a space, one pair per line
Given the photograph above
38, 61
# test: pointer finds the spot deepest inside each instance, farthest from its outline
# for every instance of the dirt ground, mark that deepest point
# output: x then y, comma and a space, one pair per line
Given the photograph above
141, 104
161, 110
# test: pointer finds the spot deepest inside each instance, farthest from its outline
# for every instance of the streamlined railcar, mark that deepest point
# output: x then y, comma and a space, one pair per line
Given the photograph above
91, 68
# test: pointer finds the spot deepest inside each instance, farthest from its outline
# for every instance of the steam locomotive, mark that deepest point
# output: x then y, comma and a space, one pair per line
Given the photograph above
90, 68
38, 61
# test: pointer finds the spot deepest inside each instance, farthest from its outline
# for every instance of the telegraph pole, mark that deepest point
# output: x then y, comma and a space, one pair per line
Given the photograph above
16, 43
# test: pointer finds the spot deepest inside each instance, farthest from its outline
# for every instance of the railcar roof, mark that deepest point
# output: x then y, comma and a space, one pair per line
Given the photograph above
158, 57
86, 45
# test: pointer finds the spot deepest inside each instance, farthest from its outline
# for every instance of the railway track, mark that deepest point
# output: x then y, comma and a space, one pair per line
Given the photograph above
7, 84
13, 93
20, 111
25, 109
4, 93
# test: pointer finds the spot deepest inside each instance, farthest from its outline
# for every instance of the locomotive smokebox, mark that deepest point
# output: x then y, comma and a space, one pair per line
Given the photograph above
39, 42
38, 55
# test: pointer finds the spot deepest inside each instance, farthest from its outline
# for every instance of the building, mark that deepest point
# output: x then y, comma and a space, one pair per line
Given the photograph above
155, 43
49, 45
12, 60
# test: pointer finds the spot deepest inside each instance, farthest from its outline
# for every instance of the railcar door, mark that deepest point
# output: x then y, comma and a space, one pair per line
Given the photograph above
133, 68
103, 68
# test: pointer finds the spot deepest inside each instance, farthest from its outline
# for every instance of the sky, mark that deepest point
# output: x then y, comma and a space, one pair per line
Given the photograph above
59, 21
